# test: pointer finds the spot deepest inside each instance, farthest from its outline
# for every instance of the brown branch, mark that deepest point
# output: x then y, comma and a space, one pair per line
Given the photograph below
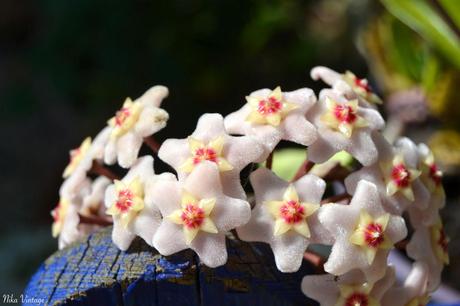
338, 173
152, 144
99, 169
269, 161
94, 220
336, 198
303, 169
316, 260
401, 245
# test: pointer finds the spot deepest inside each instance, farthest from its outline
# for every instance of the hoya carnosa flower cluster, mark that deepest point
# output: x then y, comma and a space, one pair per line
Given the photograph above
204, 199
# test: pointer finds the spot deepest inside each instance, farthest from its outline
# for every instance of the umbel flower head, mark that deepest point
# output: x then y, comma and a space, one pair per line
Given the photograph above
196, 209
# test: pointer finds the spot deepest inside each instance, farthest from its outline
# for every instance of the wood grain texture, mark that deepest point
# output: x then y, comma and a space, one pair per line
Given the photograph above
95, 272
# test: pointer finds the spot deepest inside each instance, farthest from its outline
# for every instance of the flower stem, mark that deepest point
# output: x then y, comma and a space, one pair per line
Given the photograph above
99, 169
336, 198
269, 162
94, 220
152, 144
303, 169
316, 260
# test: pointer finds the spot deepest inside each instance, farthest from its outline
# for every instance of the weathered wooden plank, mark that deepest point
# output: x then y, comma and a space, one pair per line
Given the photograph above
95, 272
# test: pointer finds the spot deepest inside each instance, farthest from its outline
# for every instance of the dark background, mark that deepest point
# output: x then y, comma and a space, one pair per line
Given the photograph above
66, 66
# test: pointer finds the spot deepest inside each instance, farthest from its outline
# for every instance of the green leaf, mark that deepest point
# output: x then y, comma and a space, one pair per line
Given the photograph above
286, 162
452, 8
419, 16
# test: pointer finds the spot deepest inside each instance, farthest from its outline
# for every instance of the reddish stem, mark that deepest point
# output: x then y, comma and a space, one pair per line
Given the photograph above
152, 144
336, 198
338, 173
99, 169
94, 220
269, 162
316, 260
303, 169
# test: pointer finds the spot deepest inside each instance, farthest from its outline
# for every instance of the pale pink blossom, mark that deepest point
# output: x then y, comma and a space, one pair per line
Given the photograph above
272, 116
363, 231
396, 176
343, 125
197, 215
132, 123
349, 289
285, 216
210, 142
130, 203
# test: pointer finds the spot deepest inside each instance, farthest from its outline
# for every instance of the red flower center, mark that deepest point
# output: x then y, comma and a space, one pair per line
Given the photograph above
435, 174
292, 212
192, 216
205, 154
443, 241
74, 154
125, 200
55, 212
269, 106
357, 299
373, 235
121, 116
363, 84
345, 113
401, 176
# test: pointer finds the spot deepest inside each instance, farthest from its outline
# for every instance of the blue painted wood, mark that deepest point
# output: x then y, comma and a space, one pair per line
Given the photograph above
95, 272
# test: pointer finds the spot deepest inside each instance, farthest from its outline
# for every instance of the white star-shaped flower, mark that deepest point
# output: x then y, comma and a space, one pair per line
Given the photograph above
430, 245
197, 215
364, 233
350, 85
350, 289
272, 116
343, 125
65, 222
132, 123
432, 178
130, 203
414, 290
285, 216
210, 142
65, 214
81, 161
396, 176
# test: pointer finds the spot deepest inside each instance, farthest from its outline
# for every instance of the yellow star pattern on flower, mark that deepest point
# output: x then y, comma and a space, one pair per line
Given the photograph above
356, 295
129, 201
290, 213
194, 216
76, 156
399, 177
361, 87
200, 151
440, 242
59, 213
343, 117
419, 301
125, 118
370, 235
270, 110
